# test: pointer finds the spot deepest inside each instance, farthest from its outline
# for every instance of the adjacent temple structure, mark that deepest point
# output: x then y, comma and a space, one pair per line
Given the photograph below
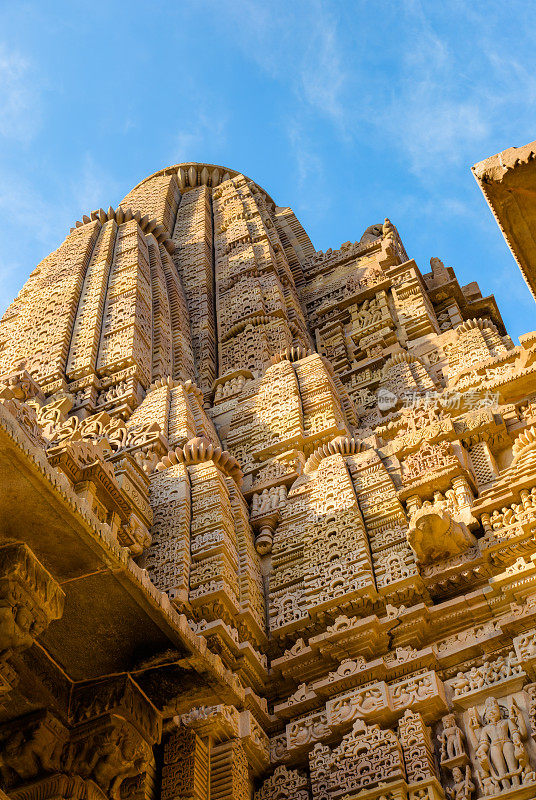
267, 514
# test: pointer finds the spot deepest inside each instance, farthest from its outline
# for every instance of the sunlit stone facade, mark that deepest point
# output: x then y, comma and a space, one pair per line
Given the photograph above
267, 514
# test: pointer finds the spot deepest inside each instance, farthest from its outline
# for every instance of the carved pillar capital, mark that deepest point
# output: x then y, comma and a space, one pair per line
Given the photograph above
185, 771
30, 599
111, 740
120, 697
114, 731
31, 747
107, 750
55, 787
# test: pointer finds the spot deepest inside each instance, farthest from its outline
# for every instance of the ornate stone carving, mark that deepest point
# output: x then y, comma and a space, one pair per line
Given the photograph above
452, 742
185, 772
500, 753
366, 757
433, 534
29, 599
477, 681
31, 748
313, 554
109, 752
462, 787
198, 450
416, 744
284, 783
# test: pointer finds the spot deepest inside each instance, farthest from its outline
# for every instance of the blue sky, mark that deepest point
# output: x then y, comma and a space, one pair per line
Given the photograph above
346, 111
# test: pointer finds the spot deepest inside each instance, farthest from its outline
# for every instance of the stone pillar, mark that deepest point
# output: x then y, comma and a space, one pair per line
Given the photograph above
185, 772
319, 767
417, 747
464, 496
115, 730
229, 775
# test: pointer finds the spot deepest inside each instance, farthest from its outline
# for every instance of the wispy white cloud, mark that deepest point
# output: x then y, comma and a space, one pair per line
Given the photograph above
426, 117
20, 102
429, 209
434, 133
457, 86
308, 162
440, 92
24, 207
91, 186
200, 133
296, 44
322, 76
309, 169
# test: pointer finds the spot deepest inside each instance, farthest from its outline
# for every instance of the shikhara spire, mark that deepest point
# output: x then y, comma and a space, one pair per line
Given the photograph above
267, 514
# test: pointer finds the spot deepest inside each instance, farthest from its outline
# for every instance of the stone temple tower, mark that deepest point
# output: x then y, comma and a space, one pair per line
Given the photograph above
267, 514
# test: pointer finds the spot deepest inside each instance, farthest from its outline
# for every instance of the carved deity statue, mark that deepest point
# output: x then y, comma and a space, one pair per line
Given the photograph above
434, 533
499, 747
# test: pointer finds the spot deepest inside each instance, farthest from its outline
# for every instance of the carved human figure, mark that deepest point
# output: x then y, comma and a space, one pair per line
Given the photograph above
463, 787
499, 745
117, 757
476, 677
26, 753
509, 666
460, 684
17, 625
451, 739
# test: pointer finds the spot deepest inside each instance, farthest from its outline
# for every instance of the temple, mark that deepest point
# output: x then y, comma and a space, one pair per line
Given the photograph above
267, 514
508, 181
